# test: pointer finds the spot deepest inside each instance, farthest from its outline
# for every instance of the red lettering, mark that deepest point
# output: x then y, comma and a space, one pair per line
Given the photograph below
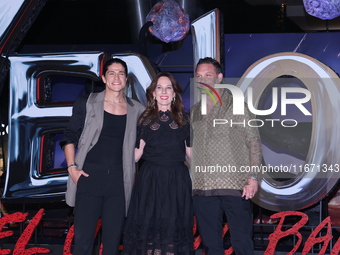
68, 241
336, 248
224, 231
278, 233
198, 239
23, 240
274, 238
312, 239
99, 224
9, 218
70, 236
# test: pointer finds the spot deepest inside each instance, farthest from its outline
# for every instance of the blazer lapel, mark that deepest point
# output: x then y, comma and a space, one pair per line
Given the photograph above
131, 116
98, 111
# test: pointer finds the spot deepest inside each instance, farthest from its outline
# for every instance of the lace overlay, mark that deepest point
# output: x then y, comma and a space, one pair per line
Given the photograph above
159, 220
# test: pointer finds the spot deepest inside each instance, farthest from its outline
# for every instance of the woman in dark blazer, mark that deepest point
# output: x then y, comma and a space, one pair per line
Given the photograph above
101, 172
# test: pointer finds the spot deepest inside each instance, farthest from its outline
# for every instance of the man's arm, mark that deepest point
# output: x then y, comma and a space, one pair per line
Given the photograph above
72, 167
255, 153
251, 187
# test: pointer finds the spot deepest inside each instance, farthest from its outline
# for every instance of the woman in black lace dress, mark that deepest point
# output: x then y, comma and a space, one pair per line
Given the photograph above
160, 216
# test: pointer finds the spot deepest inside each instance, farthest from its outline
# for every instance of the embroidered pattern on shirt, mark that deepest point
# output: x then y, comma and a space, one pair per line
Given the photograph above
164, 118
173, 125
146, 122
155, 126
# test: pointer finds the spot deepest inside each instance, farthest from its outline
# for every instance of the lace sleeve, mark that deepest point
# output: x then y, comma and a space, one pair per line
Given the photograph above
140, 135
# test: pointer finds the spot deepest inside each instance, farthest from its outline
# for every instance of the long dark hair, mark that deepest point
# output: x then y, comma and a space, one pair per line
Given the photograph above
177, 108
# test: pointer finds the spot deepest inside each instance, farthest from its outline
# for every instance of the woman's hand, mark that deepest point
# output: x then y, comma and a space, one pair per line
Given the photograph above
188, 151
139, 151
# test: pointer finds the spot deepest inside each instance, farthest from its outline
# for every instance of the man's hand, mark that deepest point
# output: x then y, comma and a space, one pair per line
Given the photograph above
250, 189
75, 174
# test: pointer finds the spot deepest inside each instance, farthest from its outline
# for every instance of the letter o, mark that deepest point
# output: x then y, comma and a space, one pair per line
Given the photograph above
324, 85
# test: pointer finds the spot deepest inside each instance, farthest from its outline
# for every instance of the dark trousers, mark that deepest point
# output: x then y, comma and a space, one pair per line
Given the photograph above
101, 195
209, 214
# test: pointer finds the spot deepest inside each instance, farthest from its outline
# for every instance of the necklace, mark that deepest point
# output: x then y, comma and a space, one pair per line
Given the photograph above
113, 102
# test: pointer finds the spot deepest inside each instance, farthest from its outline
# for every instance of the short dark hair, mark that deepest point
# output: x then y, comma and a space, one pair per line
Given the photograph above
112, 61
209, 60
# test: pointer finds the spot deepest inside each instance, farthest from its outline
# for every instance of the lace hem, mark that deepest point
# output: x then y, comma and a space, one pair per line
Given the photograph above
158, 239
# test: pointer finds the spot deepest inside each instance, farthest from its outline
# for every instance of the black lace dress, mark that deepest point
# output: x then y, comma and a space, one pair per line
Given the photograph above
160, 215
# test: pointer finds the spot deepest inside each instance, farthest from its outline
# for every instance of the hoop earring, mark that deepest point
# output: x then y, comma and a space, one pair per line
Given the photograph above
173, 100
